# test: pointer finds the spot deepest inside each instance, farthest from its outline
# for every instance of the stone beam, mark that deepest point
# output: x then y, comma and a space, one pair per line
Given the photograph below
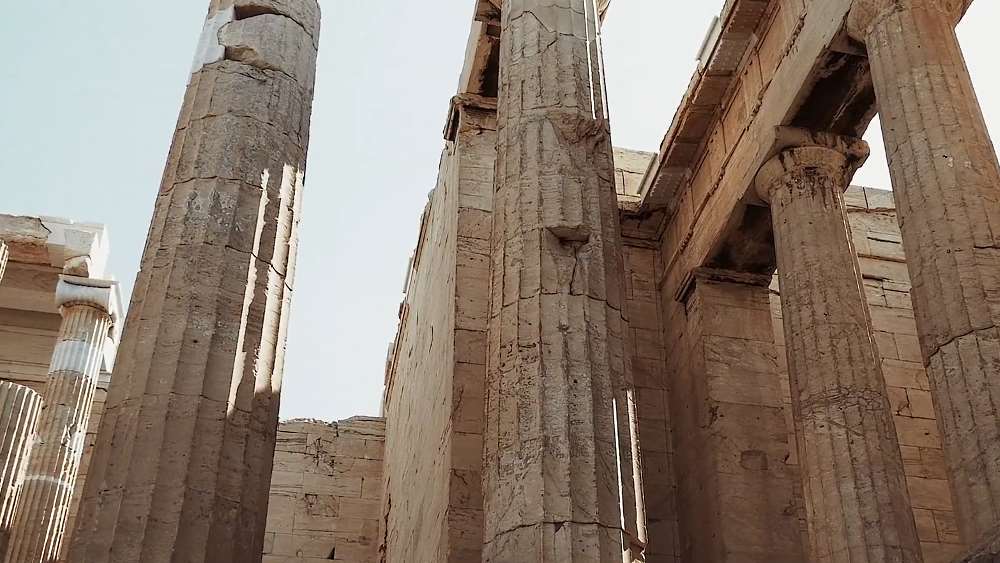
51, 242
481, 69
770, 68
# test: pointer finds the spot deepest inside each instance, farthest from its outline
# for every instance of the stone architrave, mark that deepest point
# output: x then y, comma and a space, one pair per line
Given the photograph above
182, 462
39, 524
560, 474
857, 506
19, 408
946, 177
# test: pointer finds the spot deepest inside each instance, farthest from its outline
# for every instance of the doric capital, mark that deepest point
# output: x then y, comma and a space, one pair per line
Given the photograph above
866, 13
73, 290
835, 155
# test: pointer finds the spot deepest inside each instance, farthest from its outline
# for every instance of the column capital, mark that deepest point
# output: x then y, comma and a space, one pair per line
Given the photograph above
866, 13
74, 290
798, 150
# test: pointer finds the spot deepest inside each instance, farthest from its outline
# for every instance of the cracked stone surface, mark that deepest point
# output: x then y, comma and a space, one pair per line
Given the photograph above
987, 551
46, 498
183, 458
560, 415
945, 177
731, 446
19, 408
325, 492
857, 506
432, 506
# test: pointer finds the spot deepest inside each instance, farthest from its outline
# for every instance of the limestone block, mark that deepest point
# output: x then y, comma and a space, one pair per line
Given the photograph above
325, 500
731, 445
306, 14
272, 42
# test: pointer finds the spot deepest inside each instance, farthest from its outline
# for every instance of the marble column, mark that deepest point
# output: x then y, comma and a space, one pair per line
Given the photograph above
19, 408
857, 506
946, 179
182, 462
560, 474
39, 524
3, 258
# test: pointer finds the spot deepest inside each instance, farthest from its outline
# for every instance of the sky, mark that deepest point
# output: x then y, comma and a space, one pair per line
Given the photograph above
90, 95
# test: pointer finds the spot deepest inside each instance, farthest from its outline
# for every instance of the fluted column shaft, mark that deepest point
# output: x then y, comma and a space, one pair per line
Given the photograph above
560, 474
40, 522
857, 505
4, 253
182, 462
19, 408
946, 179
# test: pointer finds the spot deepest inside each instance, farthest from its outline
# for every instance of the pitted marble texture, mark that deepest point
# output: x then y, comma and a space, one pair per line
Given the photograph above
945, 176
182, 461
865, 14
560, 471
857, 506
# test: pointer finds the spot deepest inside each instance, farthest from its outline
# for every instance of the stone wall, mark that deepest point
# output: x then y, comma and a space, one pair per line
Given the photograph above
326, 490
887, 284
648, 360
436, 375
648, 365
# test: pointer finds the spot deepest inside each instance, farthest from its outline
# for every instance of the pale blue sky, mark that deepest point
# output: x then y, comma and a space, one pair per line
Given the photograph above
91, 92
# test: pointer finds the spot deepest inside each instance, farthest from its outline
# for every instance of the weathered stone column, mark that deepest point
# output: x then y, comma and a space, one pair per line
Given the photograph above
182, 465
3, 258
40, 522
19, 408
560, 475
946, 179
857, 506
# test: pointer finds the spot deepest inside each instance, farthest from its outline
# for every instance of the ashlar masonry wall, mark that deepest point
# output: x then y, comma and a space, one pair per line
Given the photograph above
326, 491
436, 376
